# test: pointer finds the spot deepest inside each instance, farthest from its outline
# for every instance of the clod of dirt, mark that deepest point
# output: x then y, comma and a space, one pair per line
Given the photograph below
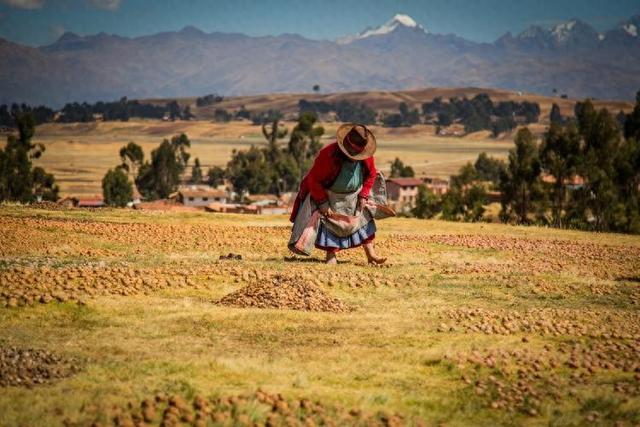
29, 367
231, 256
284, 292
259, 409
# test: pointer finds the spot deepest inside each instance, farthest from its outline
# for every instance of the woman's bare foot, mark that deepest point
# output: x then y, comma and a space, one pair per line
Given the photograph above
331, 258
372, 258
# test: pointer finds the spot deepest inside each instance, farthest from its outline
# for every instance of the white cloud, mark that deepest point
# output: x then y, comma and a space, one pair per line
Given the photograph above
56, 31
37, 4
24, 4
106, 4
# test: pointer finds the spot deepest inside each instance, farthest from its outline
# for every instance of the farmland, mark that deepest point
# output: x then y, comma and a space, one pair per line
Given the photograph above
79, 154
119, 317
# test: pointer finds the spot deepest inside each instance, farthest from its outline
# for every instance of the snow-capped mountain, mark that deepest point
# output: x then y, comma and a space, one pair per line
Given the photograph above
573, 34
570, 57
398, 21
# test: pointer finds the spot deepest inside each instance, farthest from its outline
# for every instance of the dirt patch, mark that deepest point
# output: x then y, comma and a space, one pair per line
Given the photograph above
261, 408
284, 292
526, 378
25, 367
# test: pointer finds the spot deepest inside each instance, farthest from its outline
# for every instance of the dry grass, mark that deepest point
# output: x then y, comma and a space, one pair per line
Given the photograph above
432, 337
80, 154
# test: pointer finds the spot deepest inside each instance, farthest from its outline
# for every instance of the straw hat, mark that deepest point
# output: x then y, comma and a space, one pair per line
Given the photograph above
356, 141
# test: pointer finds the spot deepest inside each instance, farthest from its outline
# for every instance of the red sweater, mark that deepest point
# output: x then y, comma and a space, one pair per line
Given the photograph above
326, 168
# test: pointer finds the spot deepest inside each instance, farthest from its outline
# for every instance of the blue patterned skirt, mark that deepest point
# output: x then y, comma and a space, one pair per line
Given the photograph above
327, 240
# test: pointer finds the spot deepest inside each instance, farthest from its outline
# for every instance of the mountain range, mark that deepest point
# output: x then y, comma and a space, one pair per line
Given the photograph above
571, 57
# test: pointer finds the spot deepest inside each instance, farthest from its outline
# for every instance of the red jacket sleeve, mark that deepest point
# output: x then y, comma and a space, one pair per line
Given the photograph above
317, 175
370, 178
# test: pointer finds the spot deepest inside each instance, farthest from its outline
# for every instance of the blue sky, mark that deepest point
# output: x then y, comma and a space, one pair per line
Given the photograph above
38, 22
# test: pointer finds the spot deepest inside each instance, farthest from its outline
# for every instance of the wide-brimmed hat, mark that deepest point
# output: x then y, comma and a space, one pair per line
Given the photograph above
356, 141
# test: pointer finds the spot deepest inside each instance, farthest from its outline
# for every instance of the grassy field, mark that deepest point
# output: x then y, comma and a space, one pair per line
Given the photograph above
80, 154
470, 324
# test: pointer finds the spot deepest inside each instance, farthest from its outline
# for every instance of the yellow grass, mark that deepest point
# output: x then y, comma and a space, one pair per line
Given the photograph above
80, 154
399, 351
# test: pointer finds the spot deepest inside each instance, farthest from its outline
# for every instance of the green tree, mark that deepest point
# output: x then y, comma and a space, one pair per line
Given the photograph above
465, 199
560, 157
601, 143
489, 168
400, 170
250, 170
44, 184
18, 180
304, 143
132, 158
426, 203
116, 188
215, 176
161, 177
555, 117
632, 121
520, 183
196, 172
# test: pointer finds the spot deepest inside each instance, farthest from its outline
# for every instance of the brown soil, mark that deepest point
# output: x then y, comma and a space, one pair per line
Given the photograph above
284, 292
259, 409
29, 367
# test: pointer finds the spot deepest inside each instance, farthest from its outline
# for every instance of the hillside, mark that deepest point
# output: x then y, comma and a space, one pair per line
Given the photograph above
400, 54
117, 317
388, 101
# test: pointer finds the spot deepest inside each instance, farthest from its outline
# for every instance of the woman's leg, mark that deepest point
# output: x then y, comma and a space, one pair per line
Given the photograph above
331, 256
370, 251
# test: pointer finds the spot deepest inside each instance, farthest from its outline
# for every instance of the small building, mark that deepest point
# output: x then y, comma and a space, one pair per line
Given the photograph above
94, 202
232, 208
575, 182
402, 192
436, 185
263, 200
201, 197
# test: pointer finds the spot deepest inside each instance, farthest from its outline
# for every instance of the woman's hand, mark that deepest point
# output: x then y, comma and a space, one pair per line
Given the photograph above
360, 205
326, 211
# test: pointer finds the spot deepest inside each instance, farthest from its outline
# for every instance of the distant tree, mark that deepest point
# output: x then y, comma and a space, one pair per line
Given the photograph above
221, 115
132, 158
601, 143
19, 181
501, 125
400, 170
266, 117
273, 132
465, 199
196, 172
519, 182
116, 188
409, 117
445, 118
489, 168
560, 157
243, 113
355, 113
215, 176
161, 177
304, 143
555, 116
426, 204
632, 121
44, 185
203, 101
316, 88
249, 170
392, 120
174, 110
